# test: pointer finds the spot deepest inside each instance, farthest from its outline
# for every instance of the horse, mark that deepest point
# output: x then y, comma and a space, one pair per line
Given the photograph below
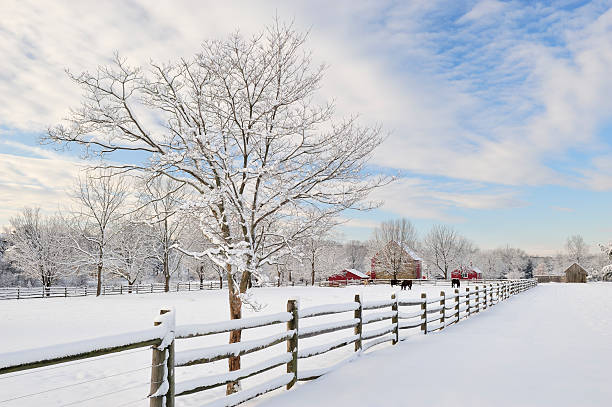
455, 282
394, 282
407, 283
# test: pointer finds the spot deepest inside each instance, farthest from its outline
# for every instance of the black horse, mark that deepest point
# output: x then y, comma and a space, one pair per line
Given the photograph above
394, 281
407, 283
456, 282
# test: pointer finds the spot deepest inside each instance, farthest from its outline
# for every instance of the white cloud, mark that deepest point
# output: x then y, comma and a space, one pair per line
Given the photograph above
42, 181
483, 9
417, 198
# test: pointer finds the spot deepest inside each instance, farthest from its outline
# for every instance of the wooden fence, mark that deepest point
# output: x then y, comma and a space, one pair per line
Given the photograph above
415, 282
426, 314
17, 293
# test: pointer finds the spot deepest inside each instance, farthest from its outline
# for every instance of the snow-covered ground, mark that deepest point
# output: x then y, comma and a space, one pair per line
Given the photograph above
123, 378
549, 346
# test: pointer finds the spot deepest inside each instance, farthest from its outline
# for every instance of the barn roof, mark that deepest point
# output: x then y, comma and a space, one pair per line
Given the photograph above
576, 266
410, 252
476, 269
357, 273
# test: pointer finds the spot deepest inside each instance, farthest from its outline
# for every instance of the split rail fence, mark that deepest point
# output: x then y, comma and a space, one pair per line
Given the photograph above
427, 314
17, 293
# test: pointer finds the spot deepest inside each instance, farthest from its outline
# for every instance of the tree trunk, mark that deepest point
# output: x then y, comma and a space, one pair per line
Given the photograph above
166, 271
279, 275
99, 285
312, 270
99, 273
235, 336
220, 282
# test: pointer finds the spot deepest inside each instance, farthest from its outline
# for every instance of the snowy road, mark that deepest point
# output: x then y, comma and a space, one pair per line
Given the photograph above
549, 346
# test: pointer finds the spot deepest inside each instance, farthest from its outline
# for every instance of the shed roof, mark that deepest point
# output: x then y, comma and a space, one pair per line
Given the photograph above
576, 267
357, 273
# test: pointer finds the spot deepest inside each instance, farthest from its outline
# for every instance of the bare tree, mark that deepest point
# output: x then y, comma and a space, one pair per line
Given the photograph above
163, 197
394, 241
242, 129
131, 252
100, 198
356, 252
576, 247
446, 249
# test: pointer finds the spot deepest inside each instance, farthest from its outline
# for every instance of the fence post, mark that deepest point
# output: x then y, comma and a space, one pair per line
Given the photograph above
103, 290
65, 292
477, 299
457, 303
467, 290
160, 367
18, 292
443, 304
424, 308
395, 319
292, 342
359, 328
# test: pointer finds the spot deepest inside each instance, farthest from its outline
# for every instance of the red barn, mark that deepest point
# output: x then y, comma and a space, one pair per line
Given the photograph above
348, 274
467, 273
398, 257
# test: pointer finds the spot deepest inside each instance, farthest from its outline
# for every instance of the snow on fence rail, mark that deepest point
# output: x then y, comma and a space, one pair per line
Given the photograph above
433, 314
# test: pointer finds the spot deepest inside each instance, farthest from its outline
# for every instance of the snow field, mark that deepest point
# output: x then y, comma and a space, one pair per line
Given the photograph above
548, 346
44, 322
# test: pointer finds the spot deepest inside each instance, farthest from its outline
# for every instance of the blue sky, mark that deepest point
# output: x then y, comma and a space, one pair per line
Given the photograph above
498, 112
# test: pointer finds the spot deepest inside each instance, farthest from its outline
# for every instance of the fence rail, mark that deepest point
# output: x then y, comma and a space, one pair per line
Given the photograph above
426, 314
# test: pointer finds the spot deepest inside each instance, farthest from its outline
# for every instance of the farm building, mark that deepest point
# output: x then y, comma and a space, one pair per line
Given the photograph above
467, 273
348, 274
396, 261
550, 279
575, 274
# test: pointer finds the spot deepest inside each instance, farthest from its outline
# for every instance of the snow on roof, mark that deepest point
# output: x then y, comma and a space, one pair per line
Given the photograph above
476, 269
410, 252
358, 273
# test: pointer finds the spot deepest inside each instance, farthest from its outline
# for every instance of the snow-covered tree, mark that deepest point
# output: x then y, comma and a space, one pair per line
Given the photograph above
577, 249
36, 246
541, 269
241, 127
355, 252
100, 199
489, 261
514, 261
445, 249
314, 248
131, 252
606, 271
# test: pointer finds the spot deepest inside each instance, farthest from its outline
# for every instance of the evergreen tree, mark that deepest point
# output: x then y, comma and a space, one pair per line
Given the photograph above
528, 269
